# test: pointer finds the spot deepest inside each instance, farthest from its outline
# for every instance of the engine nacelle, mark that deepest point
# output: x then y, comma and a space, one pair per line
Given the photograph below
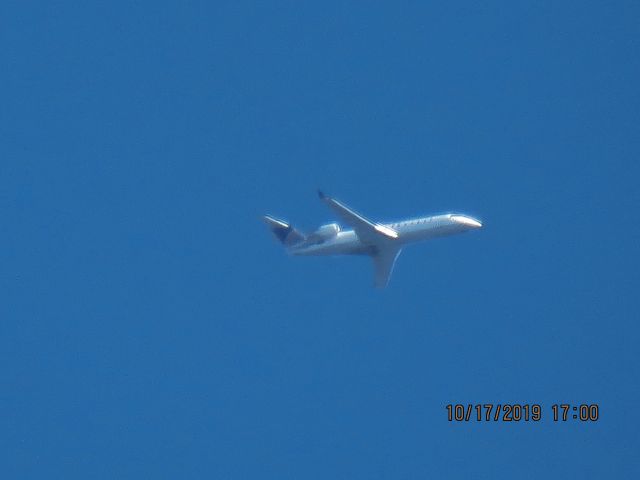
325, 232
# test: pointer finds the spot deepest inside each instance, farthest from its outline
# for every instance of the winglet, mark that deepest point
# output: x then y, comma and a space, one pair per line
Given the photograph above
321, 195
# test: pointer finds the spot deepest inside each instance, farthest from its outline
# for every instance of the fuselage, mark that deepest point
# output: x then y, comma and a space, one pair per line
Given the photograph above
346, 242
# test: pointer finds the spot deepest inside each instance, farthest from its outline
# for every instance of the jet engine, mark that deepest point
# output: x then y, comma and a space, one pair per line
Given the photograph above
325, 232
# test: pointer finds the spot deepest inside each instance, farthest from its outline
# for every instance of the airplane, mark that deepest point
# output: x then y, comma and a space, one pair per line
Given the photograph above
383, 242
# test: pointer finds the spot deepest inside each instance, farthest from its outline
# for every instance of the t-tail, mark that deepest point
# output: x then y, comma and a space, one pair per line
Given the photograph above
284, 232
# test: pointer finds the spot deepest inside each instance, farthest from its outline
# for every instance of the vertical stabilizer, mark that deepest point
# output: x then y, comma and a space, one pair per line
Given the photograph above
283, 231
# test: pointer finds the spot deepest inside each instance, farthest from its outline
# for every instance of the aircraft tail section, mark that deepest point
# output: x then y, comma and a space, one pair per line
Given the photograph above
283, 231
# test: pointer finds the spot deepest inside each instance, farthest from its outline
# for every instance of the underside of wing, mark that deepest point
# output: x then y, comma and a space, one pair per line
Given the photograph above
368, 232
383, 262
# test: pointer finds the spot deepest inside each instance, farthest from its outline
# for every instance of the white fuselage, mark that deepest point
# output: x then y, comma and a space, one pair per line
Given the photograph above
346, 242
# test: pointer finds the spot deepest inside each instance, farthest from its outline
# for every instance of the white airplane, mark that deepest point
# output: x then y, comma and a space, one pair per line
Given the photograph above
383, 242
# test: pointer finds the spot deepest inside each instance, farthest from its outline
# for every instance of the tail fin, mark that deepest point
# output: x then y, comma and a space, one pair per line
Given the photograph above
287, 235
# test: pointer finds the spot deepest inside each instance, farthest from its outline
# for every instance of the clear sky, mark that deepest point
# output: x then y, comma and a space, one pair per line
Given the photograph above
151, 327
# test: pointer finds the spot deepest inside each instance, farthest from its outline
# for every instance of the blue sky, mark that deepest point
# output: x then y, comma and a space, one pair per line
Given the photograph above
152, 328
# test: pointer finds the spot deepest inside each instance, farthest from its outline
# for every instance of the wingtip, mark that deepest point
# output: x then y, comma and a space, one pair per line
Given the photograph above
321, 195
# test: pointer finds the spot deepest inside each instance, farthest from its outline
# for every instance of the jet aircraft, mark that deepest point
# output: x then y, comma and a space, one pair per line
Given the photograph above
383, 242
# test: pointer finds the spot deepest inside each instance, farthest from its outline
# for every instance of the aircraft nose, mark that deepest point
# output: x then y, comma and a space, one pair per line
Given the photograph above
467, 221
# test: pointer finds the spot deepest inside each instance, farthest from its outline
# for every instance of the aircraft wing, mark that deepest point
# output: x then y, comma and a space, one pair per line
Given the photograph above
367, 231
383, 262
